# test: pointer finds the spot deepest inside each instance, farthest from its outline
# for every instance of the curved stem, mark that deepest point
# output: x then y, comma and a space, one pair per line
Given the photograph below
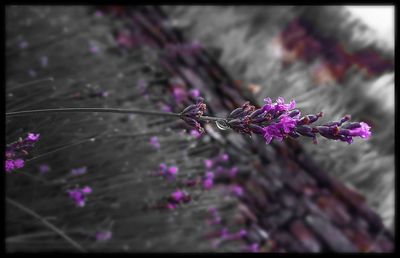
44, 221
94, 110
104, 110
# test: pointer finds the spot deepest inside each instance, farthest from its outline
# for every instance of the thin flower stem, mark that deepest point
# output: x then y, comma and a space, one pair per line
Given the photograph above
105, 110
94, 110
48, 224
211, 118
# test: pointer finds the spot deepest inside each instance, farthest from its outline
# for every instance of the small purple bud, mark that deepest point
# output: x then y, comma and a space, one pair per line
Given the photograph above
19, 163
87, 190
44, 168
32, 137
9, 165
208, 183
154, 142
208, 163
172, 171
177, 196
194, 93
103, 235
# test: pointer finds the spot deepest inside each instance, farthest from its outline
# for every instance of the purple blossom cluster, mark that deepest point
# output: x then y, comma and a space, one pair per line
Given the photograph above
192, 113
176, 198
78, 195
167, 172
78, 171
16, 151
277, 120
102, 236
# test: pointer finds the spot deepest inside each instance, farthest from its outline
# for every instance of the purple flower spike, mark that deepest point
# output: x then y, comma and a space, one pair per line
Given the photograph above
277, 121
191, 114
103, 235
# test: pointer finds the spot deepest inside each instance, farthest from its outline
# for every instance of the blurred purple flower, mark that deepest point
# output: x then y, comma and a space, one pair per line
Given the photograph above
194, 93
208, 183
154, 142
79, 195
195, 133
19, 163
172, 171
103, 235
208, 163
177, 196
79, 171
17, 150
32, 137
32, 73
254, 248
236, 190
9, 165
44, 168
23, 44
44, 60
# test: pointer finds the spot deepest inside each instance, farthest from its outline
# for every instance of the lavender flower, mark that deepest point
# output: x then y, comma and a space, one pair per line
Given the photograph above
154, 142
172, 171
236, 190
78, 171
79, 195
179, 197
17, 150
194, 93
103, 235
44, 60
192, 113
208, 163
208, 183
32, 137
44, 168
279, 120
195, 134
